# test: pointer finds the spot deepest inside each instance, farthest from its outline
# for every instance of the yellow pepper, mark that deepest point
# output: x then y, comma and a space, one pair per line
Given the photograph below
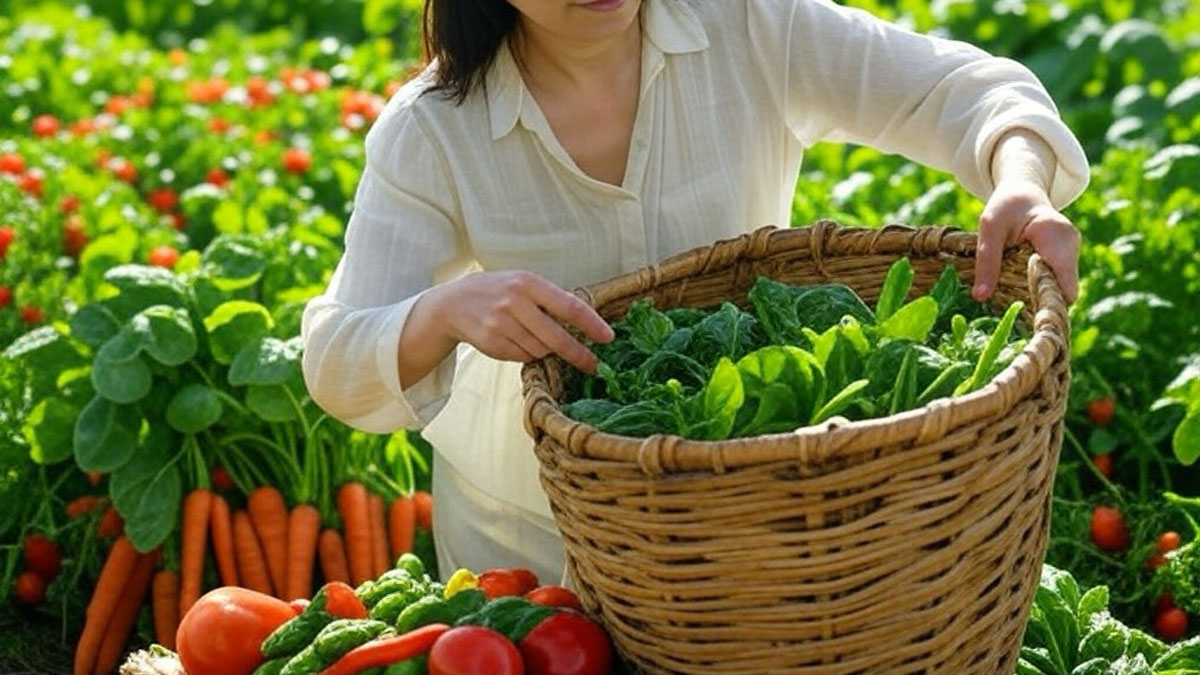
461, 580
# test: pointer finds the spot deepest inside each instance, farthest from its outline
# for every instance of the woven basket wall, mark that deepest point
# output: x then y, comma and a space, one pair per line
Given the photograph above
908, 544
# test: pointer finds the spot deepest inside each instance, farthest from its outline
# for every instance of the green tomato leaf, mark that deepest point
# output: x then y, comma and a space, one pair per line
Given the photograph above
266, 361
148, 490
105, 435
122, 382
48, 430
235, 324
167, 334
194, 409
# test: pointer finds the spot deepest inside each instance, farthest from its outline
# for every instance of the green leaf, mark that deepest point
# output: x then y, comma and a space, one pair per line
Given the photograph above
48, 430
122, 347
723, 397
995, 344
273, 403
1180, 655
94, 324
235, 324
904, 395
1146, 645
913, 321
784, 386
1092, 602
840, 401
148, 490
105, 435
895, 289
233, 262
266, 361
194, 409
122, 381
1105, 638
167, 334
381, 17
142, 286
1186, 440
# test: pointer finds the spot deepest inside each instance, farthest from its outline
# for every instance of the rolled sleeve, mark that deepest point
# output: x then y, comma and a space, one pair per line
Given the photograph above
402, 239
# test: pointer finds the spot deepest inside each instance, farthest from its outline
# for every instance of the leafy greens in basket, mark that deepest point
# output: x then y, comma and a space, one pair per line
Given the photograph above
800, 356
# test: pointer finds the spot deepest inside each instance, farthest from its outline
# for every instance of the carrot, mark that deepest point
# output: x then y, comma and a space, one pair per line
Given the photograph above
164, 600
379, 536
196, 508
353, 506
113, 577
333, 556
220, 524
81, 505
304, 525
424, 503
252, 566
125, 616
111, 523
402, 521
270, 517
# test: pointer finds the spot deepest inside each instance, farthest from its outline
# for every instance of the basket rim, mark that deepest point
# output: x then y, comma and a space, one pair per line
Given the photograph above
837, 437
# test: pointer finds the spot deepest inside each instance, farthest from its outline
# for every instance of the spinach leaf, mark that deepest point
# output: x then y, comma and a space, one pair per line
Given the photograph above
895, 288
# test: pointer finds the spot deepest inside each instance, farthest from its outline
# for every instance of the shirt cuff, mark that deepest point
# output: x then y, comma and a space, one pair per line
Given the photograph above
425, 398
1071, 171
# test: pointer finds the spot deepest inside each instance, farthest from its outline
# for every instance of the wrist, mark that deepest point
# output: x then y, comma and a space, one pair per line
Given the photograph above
1023, 157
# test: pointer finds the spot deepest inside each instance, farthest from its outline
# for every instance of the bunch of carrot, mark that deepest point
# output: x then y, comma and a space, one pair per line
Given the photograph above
263, 547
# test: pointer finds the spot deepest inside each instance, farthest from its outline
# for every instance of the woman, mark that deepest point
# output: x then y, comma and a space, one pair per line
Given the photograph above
555, 143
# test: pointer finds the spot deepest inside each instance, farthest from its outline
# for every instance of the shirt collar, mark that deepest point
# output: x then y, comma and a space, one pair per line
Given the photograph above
670, 26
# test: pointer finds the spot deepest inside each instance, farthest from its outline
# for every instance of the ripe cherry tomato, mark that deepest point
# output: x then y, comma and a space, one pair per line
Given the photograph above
45, 125
1103, 464
1101, 410
29, 589
222, 633
42, 556
164, 200
32, 315
474, 650
11, 162
567, 643
221, 479
1108, 529
5, 296
1171, 624
296, 160
1169, 541
554, 596
163, 256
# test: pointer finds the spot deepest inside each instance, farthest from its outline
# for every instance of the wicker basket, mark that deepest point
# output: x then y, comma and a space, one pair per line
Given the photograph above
909, 544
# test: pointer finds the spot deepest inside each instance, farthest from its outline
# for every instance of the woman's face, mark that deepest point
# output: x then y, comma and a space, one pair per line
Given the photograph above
578, 20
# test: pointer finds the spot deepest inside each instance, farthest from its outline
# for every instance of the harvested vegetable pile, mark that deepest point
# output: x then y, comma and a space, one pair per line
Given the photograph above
803, 354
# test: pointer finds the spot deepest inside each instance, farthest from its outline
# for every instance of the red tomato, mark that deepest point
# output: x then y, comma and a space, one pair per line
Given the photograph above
7, 234
74, 236
222, 633
1165, 602
221, 479
163, 256
296, 160
1108, 529
124, 169
82, 127
69, 204
32, 315
178, 221
526, 579
164, 200
554, 596
1169, 541
1101, 410
32, 182
500, 583
474, 650
5, 296
45, 125
1103, 464
219, 125
217, 177
1156, 561
1171, 624
11, 162
566, 643
42, 556
29, 589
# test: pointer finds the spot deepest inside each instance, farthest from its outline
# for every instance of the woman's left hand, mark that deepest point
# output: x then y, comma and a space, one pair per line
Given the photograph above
1019, 210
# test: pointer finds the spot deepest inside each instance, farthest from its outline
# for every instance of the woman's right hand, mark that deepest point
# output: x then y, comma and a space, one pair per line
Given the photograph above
510, 316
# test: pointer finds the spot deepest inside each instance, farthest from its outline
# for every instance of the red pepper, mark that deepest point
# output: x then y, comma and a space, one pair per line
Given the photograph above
342, 602
388, 651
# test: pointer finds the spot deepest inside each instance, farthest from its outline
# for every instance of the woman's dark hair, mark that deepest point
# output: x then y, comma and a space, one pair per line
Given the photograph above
463, 36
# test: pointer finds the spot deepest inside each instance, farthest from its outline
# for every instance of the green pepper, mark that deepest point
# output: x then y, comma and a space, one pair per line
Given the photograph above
510, 616
292, 636
417, 665
331, 643
434, 609
385, 587
389, 608
272, 667
412, 564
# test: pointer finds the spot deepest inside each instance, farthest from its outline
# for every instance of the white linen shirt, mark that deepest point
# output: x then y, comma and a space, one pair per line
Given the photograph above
732, 91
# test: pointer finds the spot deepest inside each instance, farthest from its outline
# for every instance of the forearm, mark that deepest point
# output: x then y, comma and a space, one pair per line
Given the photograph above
1022, 155
424, 342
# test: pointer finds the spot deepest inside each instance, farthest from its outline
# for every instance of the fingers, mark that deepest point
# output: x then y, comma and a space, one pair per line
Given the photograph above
988, 255
1057, 241
554, 337
566, 307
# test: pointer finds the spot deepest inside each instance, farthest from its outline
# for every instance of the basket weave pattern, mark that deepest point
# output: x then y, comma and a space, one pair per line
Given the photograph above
909, 544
